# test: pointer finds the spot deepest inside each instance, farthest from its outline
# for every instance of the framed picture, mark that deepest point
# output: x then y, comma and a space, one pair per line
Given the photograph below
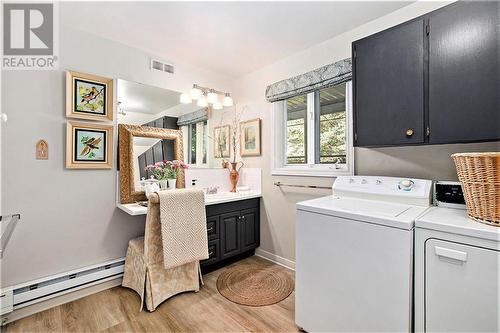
222, 141
89, 96
89, 146
250, 138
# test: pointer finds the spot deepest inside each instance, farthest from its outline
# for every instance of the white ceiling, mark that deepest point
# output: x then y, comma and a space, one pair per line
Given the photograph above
232, 38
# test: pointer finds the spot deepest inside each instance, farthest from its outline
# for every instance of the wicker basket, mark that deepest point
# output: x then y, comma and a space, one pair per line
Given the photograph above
479, 174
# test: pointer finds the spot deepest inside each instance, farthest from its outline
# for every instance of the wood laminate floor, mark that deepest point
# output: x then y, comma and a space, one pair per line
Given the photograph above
117, 310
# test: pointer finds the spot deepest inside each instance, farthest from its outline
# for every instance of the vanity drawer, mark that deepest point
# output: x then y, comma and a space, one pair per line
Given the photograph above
213, 227
213, 253
229, 207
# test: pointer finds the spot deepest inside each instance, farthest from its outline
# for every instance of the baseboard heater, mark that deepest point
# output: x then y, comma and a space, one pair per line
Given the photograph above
26, 294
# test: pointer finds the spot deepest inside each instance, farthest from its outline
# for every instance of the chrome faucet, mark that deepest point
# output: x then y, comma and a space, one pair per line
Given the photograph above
212, 190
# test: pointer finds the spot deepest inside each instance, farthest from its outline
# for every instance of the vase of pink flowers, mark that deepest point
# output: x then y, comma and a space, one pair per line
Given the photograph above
166, 172
176, 167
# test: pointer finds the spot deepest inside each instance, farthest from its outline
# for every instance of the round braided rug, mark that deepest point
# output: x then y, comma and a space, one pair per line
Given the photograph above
254, 284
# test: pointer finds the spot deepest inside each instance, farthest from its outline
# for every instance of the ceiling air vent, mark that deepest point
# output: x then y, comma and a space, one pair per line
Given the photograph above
162, 66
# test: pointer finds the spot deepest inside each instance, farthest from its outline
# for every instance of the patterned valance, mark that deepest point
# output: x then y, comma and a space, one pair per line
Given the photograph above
329, 75
193, 117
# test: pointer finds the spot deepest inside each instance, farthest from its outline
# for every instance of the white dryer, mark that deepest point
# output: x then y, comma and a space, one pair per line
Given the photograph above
354, 255
457, 273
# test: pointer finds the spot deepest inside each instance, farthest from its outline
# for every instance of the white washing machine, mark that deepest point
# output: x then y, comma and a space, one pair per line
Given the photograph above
354, 255
457, 273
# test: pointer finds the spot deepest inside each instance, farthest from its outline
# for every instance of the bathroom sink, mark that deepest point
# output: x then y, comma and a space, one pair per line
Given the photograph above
222, 196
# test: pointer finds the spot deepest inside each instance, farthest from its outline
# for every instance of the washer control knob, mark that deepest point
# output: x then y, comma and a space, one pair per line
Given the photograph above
364, 181
405, 183
351, 180
378, 182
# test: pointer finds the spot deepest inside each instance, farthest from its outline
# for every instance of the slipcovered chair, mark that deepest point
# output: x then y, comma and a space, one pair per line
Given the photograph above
144, 267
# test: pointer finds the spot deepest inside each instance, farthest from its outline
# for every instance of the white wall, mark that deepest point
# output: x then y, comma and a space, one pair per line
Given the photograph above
278, 205
68, 217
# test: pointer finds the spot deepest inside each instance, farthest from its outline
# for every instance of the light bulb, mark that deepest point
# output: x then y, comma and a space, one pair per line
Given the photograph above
212, 97
185, 98
217, 105
195, 93
202, 101
227, 101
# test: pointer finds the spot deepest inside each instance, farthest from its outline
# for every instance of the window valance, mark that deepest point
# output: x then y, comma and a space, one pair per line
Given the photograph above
338, 72
193, 117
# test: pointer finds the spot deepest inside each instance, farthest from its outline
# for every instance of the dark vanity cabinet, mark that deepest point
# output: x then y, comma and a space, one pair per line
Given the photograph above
432, 80
233, 229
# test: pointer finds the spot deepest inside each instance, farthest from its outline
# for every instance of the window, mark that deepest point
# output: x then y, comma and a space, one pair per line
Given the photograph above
192, 143
296, 130
197, 143
313, 133
331, 136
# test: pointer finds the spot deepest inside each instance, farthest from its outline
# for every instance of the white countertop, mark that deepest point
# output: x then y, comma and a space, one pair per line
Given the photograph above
210, 199
456, 221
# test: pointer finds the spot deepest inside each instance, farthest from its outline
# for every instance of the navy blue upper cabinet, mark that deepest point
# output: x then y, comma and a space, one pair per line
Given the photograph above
432, 80
389, 86
464, 73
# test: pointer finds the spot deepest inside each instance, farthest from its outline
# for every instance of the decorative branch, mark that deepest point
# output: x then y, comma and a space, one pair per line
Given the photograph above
236, 129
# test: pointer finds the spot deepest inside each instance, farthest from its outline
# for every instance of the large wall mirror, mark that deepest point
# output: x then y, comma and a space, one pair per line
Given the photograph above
154, 126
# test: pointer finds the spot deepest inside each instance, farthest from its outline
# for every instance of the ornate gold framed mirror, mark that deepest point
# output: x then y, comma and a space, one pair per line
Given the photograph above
133, 142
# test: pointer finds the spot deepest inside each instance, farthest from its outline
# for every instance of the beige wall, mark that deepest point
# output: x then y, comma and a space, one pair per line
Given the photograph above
68, 217
278, 213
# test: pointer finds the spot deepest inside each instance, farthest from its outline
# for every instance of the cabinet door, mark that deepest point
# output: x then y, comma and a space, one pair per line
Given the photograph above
464, 73
389, 86
230, 240
157, 152
249, 229
461, 288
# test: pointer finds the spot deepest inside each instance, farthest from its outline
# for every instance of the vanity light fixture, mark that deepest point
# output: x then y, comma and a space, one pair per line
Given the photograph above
217, 106
212, 97
207, 96
228, 100
195, 92
186, 98
202, 101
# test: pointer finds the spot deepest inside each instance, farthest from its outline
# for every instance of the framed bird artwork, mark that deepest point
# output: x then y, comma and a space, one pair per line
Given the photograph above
89, 96
89, 146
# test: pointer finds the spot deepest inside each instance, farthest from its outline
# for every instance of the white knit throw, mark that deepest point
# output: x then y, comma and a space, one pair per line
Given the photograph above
183, 226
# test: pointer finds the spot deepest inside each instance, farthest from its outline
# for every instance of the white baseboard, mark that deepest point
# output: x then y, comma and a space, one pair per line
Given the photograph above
276, 259
50, 303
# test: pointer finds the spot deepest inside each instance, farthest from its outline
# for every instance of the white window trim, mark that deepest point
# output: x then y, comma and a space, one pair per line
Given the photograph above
279, 166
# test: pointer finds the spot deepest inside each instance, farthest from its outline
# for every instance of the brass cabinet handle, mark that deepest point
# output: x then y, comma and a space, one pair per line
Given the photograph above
409, 132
